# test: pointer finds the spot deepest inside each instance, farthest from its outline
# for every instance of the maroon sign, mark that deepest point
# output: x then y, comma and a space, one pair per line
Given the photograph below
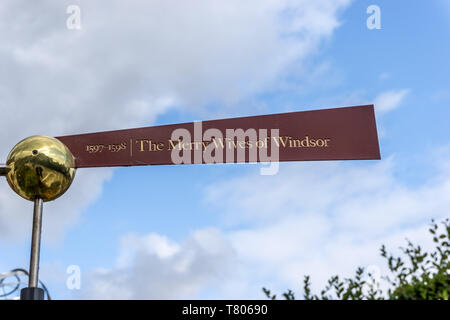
331, 134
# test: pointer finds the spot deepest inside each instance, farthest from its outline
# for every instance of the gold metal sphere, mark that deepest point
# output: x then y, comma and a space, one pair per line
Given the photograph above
40, 167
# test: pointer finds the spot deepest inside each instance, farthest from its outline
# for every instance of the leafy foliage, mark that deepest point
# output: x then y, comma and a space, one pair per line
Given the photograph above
418, 276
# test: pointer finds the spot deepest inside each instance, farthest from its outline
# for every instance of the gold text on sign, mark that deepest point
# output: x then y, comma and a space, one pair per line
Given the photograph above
227, 143
98, 148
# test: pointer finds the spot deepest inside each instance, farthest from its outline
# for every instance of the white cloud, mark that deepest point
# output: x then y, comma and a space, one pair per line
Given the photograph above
16, 214
134, 60
315, 219
153, 267
324, 218
390, 100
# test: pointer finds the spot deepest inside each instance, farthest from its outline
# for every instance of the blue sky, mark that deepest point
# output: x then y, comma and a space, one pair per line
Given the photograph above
224, 231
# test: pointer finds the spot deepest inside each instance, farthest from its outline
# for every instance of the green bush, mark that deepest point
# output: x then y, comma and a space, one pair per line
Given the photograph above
420, 276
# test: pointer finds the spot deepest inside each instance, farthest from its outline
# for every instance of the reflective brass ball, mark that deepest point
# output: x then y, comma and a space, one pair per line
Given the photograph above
40, 167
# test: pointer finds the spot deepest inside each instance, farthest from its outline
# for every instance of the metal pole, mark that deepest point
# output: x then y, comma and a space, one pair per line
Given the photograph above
33, 292
3, 170
35, 244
